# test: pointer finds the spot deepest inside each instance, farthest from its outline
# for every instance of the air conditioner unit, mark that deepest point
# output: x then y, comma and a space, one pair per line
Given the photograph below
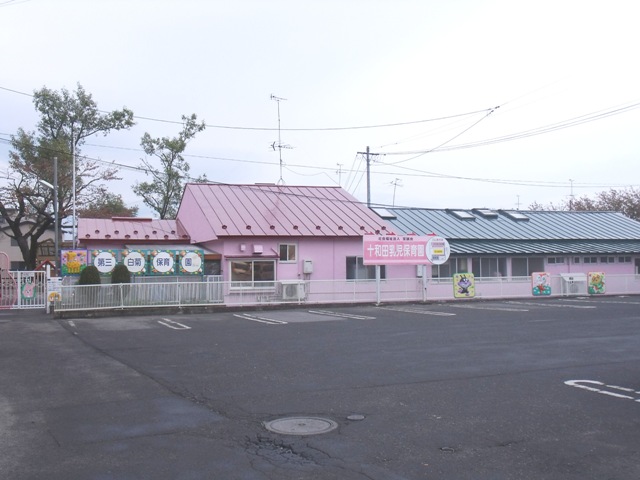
574, 283
292, 290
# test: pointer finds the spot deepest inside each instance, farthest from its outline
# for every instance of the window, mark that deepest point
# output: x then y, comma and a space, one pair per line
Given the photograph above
356, 270
489, 267
252, 273
18, 265
449, 268
555, 260
14, 242
590, 259
576, 259
624, 259
46, 250
524, 267
607, 259
288, 252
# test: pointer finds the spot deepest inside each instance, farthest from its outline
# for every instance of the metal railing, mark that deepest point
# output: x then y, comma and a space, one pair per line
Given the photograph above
203, 293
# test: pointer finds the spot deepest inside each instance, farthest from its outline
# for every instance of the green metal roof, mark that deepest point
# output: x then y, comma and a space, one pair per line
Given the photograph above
485, 231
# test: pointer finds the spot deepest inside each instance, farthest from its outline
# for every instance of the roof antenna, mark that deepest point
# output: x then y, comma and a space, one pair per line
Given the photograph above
279, 144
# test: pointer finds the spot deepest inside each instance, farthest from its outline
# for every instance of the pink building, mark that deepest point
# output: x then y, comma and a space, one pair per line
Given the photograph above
256, 233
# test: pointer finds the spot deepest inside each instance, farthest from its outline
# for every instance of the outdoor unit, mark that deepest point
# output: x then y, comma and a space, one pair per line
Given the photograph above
292, 290
574, 283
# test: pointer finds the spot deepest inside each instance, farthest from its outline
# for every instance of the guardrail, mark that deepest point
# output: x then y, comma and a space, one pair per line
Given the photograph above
183, 294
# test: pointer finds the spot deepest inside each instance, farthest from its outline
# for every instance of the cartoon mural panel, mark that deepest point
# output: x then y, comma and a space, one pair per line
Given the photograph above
541, 283
595, 283
464, 285
73, 261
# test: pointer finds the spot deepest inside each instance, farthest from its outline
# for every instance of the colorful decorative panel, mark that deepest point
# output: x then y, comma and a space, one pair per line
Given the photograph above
540, 283
162, 262
595, 283
104, 260
72, 262
135, 261
464, 285
191, 262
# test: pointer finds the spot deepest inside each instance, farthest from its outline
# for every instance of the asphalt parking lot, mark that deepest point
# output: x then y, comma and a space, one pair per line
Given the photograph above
521, 389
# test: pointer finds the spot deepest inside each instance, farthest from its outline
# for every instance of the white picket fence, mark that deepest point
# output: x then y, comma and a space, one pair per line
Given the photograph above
184, 294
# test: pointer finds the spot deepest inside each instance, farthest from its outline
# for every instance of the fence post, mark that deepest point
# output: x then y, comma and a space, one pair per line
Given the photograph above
121, 296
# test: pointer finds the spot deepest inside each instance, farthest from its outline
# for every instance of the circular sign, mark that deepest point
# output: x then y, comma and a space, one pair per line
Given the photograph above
104, 261
191, 262
135, 262
438, 250
163, 262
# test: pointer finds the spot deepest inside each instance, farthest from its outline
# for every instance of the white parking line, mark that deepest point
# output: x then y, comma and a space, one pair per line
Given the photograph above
537, 304
255, 318
485, 307
588, 300
171, 324
421, 312
629, 393
341, 315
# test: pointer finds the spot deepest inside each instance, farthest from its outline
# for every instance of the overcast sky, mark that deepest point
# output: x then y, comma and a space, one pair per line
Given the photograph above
427, 74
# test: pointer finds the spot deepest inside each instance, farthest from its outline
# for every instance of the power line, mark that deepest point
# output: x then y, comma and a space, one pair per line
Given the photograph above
272, 129
589, 117
354, 171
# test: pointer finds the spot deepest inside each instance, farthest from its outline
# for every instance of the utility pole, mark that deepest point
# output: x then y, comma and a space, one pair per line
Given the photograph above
368, 157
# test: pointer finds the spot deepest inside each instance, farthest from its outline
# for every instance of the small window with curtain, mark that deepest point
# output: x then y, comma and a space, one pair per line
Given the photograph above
288, 252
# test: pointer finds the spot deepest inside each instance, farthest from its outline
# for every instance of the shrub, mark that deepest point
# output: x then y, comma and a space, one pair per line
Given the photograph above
89, 276
120, 274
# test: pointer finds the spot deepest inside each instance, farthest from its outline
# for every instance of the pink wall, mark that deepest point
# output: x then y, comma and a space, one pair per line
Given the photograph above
328, 256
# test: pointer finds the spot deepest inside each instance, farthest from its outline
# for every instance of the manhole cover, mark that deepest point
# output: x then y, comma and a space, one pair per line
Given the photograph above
301, 425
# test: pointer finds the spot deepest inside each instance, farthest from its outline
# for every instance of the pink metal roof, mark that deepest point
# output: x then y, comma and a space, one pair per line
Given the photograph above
129, 229
209, 211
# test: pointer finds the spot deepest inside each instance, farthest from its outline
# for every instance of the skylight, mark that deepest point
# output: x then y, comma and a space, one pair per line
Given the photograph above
384, 213
462, 214
515, 215
485, 212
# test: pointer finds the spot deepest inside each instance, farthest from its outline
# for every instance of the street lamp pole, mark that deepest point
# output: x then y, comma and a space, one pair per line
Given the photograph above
56, 220
55, 213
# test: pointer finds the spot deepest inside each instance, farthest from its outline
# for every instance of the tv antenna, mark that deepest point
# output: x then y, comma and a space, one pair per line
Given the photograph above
279, 145
396, 183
